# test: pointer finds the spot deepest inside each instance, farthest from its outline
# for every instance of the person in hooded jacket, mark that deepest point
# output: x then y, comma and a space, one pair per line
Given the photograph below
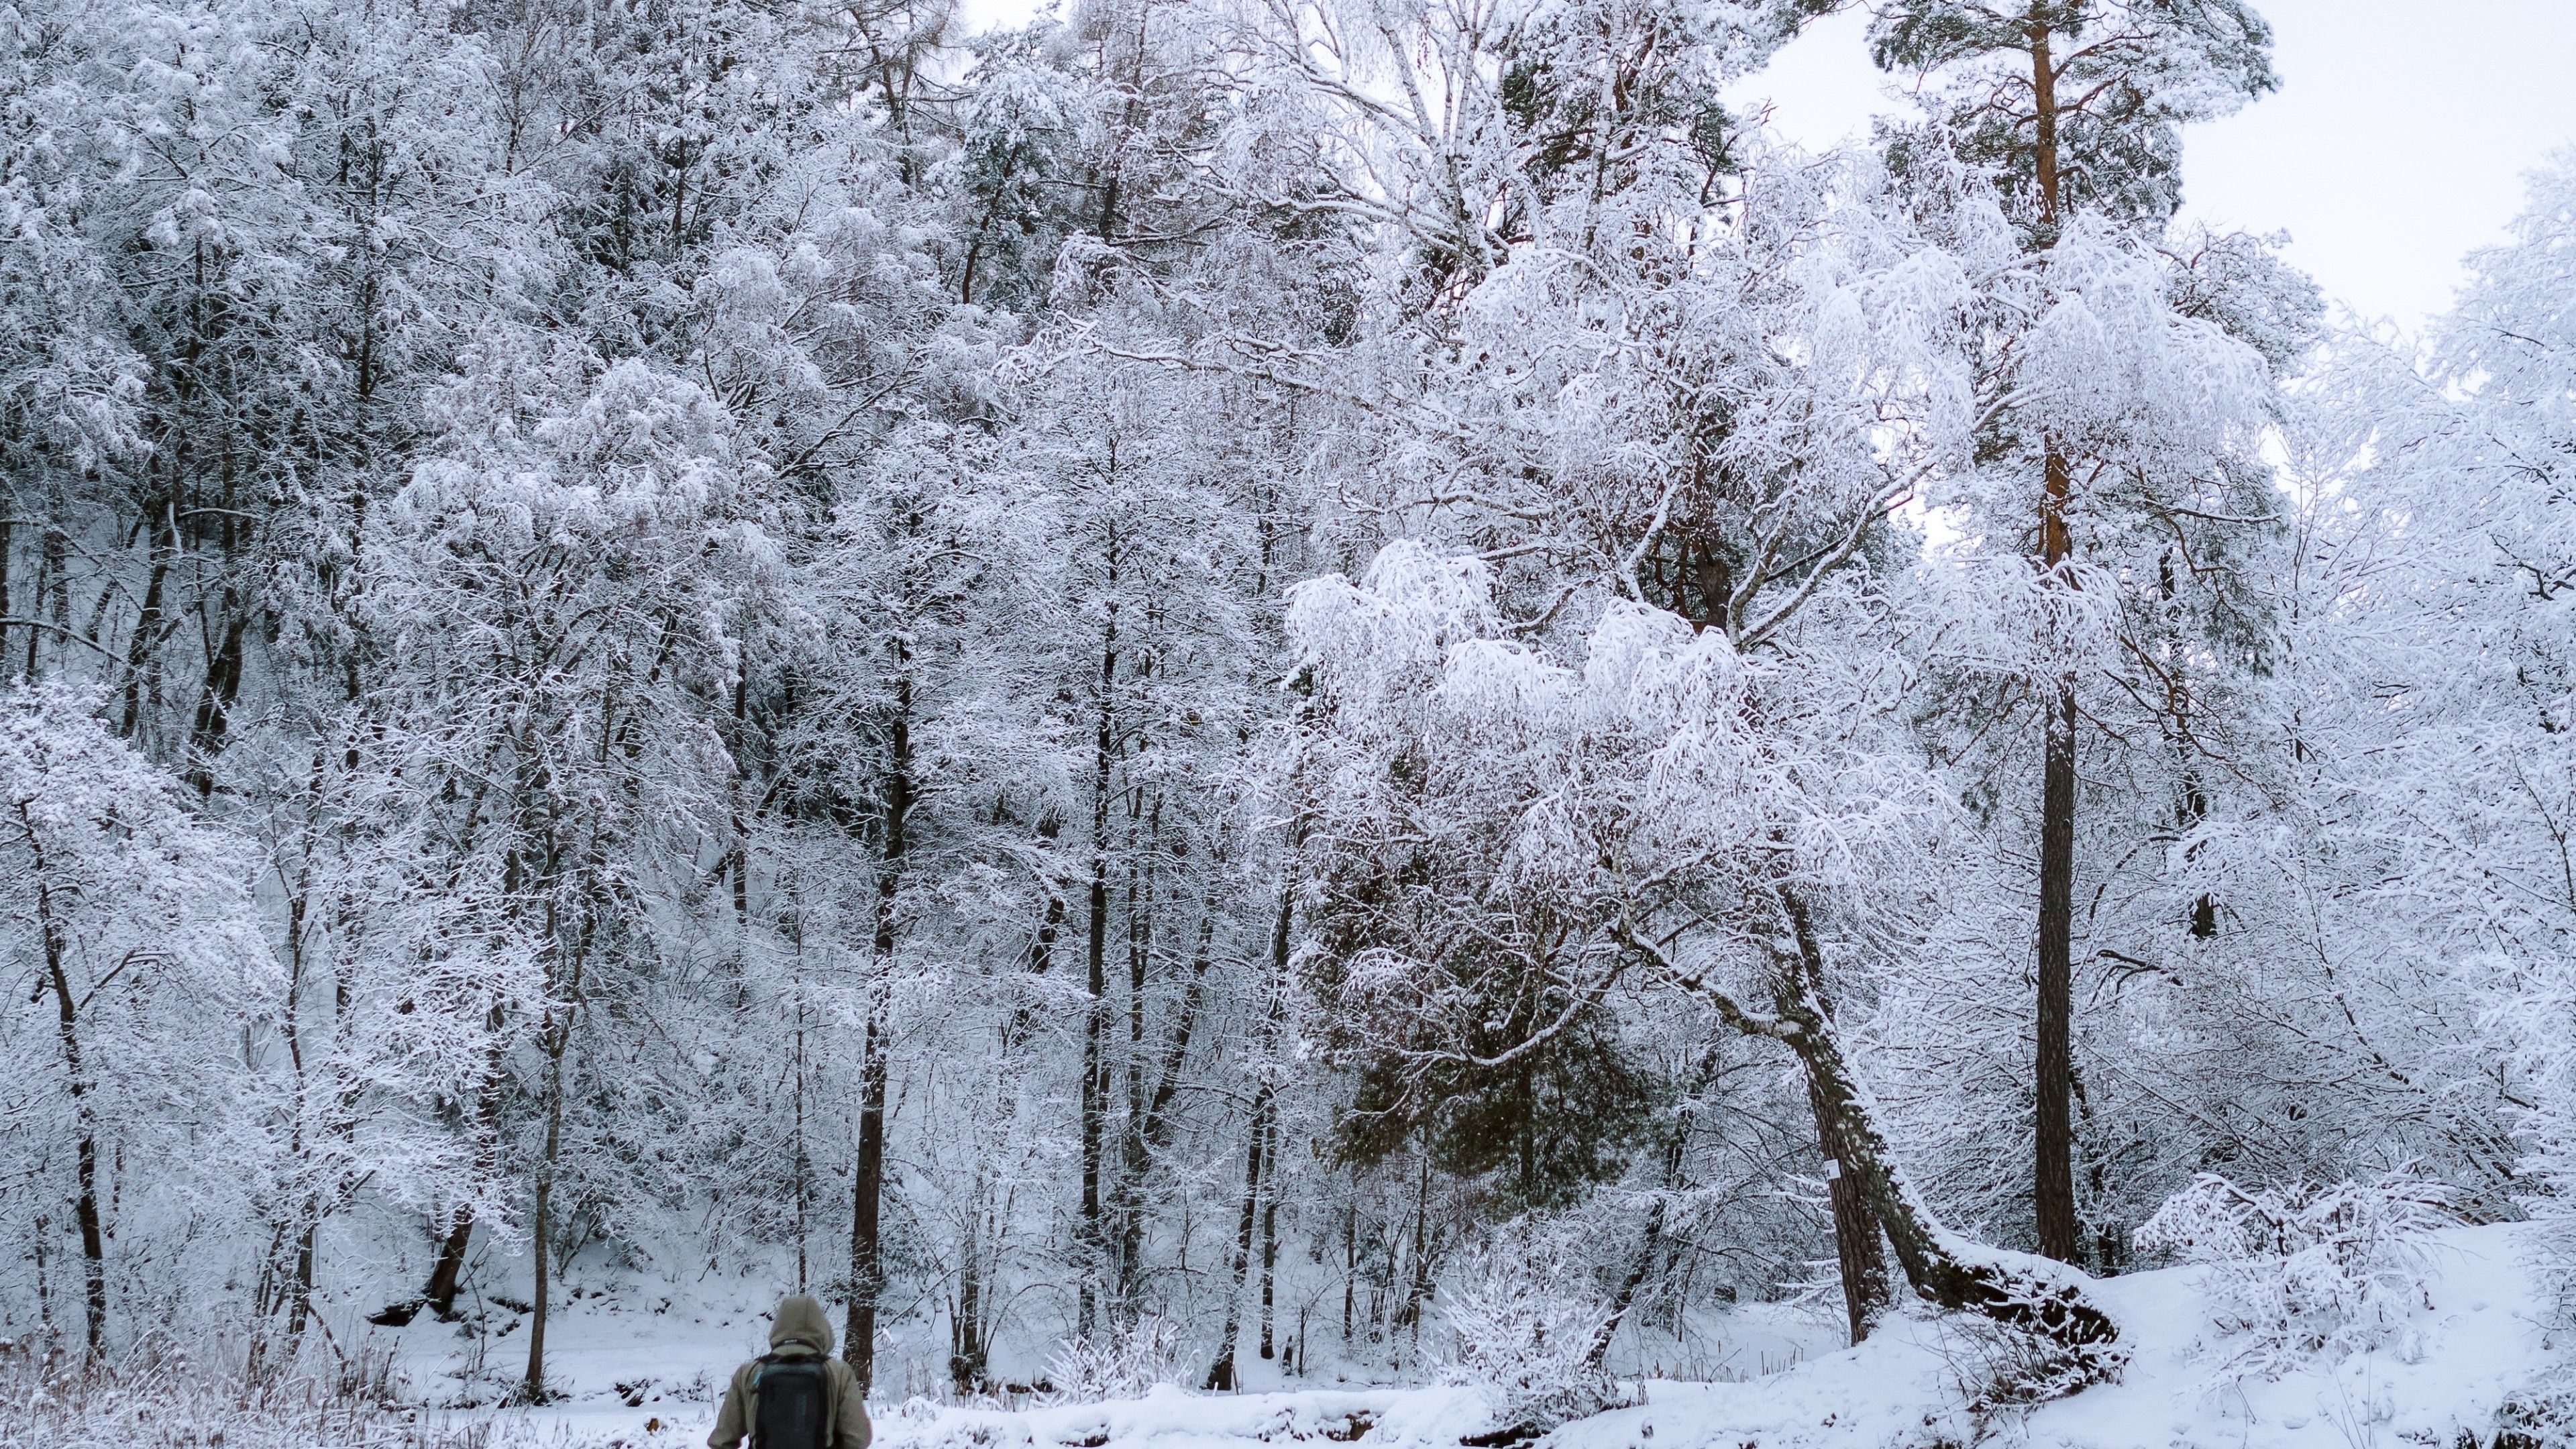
798, 1330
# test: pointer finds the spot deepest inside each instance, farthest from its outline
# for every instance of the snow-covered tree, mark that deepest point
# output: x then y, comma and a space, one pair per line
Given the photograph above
2122, 376
134, 921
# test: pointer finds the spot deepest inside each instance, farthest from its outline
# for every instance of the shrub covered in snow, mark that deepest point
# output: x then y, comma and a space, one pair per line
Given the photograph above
161, 1397
2303, 1272
1526, 1320
1121, 1363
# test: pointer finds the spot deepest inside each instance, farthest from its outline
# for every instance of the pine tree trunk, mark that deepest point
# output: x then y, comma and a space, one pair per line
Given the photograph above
2053, 1190
2053, 1158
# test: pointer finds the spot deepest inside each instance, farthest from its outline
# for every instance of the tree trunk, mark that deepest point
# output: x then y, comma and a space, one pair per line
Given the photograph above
1127, 1194
1939, 1264
561, 1015
446, 1272
57, 946
2053, 1190
867, 1198
215, 698
1269, 1228
1650, 1241
1856, 1234
1350, 1261
448, 1267
867, 1195
1221, 1373
1091, 1239
1649, 1244
1262, 1143
533, 1389
8, 544
1095, 1090
143, 647
54, 586
967, 1352
2053, 1161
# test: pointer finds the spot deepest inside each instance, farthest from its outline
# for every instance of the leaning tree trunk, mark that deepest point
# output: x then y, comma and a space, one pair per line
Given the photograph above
1856, 1232
1941, 1266
1650, 1244
1221, 1374
1650, 1241
447, 1270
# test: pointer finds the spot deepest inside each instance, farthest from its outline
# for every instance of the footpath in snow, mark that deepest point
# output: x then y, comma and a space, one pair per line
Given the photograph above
2478, 1338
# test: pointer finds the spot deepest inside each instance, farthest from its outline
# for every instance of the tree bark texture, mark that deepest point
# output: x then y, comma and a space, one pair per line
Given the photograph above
2053, 1157
1856, 1233
2053, 1188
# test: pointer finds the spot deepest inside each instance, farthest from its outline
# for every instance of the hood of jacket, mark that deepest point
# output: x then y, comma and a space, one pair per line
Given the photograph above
800, 1323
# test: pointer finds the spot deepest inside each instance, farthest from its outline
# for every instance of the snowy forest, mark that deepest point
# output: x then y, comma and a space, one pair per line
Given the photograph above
1246, 693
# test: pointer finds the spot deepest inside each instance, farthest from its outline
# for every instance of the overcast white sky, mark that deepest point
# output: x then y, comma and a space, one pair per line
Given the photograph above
2397, 142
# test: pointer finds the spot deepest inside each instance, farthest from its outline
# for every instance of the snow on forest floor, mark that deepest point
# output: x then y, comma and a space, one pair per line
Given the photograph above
2478, 1340
2481, 1341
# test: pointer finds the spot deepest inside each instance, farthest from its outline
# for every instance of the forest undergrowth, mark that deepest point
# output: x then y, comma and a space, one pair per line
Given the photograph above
166, 1396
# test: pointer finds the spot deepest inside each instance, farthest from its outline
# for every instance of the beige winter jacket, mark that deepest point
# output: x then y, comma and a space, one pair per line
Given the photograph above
800, 1329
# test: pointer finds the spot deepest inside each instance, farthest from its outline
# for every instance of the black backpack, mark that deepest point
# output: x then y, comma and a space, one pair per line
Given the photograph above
792, 1404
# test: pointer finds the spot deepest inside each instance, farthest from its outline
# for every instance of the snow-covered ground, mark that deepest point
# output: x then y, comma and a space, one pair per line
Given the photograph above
643, 1371
2479, 1340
